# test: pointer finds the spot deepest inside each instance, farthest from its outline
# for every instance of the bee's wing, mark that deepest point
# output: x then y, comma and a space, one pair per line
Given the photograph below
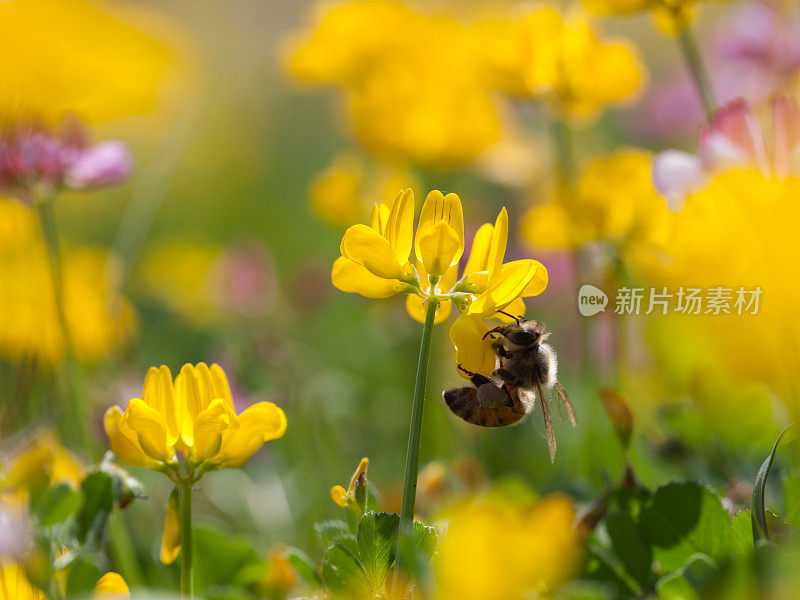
548, 423
562, 394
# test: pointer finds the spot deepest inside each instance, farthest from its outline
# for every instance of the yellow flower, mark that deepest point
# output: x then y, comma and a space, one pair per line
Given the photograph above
347, 497
375, 260
41, 461
111, 586
65, 57
99, 319
194, 416
14, 585
515, 551
408, 79
562, 61
171, 538
614, 200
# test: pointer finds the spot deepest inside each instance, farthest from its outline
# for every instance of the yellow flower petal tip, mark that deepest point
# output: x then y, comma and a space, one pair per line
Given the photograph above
339, 496
171, 539
111, 586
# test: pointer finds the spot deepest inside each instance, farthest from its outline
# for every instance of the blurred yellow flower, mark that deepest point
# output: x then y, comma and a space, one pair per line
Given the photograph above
41, 461
65, 57
15, 585
614, 201
347, 497
513, 551
740, 231
408, 78
99, 319
111, 586
341, 193
194, 416
560, 60
279, 576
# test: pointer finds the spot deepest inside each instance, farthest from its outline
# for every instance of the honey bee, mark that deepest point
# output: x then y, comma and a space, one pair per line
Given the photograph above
526, 368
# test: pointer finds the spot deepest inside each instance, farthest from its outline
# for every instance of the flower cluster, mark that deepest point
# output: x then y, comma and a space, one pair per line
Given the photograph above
194, 416
377, 262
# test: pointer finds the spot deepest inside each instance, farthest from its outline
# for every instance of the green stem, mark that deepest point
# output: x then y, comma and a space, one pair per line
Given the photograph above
71, 370
187, 584
695, 63
414, 432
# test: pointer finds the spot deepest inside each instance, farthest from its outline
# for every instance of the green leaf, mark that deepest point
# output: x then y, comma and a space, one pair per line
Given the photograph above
742, 533
82, 577
332, 531
683, 519
427, 538
376, 538
304, 566
635, 554
759, 511
686, 583
56, 504
343, 571
218, 558
98, 502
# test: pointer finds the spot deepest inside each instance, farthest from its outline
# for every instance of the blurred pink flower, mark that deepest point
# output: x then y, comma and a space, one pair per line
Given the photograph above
245, 280
734, 139
34, 157
753, 54
14, 536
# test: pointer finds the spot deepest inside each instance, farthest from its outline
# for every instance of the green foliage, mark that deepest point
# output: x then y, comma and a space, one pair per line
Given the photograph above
759, 513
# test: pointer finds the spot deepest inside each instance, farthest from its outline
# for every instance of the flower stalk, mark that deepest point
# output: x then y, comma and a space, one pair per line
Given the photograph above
187, 579
696, 67
414, 433
46, 212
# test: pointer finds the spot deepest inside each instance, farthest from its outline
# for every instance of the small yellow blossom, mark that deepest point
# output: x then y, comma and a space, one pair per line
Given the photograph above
376, 262
562, 61
171, 538
99, 319
347, 497
514, 551
279, 577
194, 416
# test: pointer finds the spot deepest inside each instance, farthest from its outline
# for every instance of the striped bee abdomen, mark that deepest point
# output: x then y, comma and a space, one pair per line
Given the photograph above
463, 402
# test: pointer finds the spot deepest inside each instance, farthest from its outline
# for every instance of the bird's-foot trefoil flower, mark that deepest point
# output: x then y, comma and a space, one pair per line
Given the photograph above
183, 429
377, 262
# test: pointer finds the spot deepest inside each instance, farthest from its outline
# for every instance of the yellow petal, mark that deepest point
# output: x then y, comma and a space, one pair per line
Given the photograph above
208, 428
438, 208
260, 423
497, 245
150, 429
438, 247
479, 253
111, 586
367, 247
171, 540
349, 276
400, 226
417, 307
220, 386
158, 393
339, 496
360, 470
125, 449
379, 217
538, 282
473, 353
505, 287
516, 308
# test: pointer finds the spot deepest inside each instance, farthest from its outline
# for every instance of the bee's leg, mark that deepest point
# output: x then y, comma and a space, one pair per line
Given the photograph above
492, 331
501, 351
476, 378
506, 376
